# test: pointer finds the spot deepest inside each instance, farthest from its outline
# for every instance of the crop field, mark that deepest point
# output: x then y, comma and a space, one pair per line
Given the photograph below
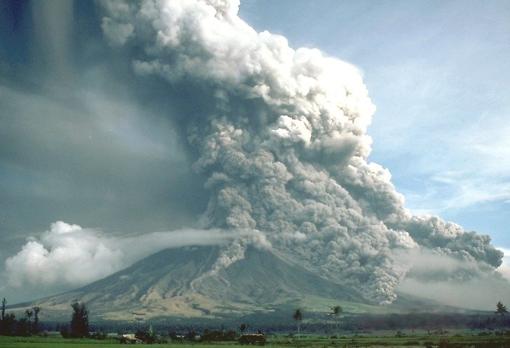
475, 341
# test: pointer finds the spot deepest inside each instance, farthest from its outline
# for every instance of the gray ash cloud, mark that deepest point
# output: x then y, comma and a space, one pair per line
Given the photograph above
281, 136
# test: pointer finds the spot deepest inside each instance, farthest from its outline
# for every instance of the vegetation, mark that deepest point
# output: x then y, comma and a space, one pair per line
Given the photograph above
147, 336
501, 309
243, 327
79, 326
298, 317
10, 326
218, 336
79, 321
36, 310
463, 339
489, 330
336, 311
4, 303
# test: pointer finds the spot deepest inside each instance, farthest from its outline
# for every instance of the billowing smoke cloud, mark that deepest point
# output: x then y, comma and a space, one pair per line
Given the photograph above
504, 269
69, 255
281, 135
452, 280
64, 254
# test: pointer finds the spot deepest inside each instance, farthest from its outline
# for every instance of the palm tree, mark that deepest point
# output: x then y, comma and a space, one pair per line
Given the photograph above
29, 314
501, 309
36, 310
298, 317
336, 311
4, 303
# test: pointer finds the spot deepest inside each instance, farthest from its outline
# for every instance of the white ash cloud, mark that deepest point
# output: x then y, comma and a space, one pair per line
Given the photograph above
69, 255
437, 275
504, 269
281, 134
64, 254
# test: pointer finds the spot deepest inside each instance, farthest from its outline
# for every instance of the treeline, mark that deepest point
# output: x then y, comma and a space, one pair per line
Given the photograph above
29, 325
333, 323
424, 321
26, 326
433, 322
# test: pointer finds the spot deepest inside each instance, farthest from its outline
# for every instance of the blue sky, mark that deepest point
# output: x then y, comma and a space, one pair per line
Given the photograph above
438, 72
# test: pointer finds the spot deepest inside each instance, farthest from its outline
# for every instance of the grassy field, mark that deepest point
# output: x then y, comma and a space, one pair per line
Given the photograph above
476, 341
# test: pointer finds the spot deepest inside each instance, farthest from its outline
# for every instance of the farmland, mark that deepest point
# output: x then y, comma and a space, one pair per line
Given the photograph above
467, 339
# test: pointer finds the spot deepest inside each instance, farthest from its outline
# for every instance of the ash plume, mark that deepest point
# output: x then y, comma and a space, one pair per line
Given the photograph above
281, 136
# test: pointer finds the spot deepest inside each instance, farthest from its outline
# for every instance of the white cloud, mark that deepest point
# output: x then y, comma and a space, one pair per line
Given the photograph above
504, 269
471, 188
65, 254
478, 293
68, 255
293, 129
455, 282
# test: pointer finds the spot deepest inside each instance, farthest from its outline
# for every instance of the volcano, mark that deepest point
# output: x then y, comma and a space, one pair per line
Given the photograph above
181, 283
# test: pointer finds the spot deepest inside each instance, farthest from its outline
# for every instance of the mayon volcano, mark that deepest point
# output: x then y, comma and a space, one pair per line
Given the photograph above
278, 137
182, 283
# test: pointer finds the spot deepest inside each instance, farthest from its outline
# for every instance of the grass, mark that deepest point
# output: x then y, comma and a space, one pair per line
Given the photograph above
311, 341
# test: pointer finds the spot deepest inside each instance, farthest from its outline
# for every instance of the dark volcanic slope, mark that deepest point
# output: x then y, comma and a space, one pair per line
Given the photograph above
263, 278
169, 272
178, 282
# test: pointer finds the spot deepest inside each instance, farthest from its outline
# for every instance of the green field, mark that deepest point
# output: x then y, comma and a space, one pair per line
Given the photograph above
282, 341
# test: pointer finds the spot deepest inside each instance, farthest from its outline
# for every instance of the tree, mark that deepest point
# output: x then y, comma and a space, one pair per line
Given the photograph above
4, 303
80, 321
35, 327
64, 331
22, 327
8, 325
8, 322
146, 335
28, 314
243, 328
3, 322
298, 317
336, 311
501, 309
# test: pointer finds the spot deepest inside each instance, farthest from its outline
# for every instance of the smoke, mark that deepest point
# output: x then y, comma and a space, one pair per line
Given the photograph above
481, 293
69, 255
281, 135
504, 269
457, 282
52, 29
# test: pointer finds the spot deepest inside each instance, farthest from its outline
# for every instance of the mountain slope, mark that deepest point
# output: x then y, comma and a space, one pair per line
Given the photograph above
178, 282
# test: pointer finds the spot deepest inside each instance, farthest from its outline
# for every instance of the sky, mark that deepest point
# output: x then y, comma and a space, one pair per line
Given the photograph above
77, 144
438, 73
